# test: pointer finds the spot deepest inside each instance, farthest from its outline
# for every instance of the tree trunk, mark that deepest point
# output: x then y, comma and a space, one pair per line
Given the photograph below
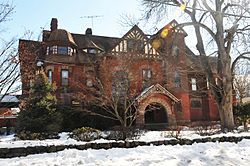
226, 108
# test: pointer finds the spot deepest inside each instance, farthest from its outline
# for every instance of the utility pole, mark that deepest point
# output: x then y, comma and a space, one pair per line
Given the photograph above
92, 18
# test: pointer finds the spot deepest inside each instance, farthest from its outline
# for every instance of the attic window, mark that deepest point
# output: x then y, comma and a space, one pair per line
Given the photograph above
135, 46
60, 50
92, 50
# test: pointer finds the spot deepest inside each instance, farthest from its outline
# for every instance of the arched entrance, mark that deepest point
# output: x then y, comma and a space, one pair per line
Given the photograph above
155, 113
155, 107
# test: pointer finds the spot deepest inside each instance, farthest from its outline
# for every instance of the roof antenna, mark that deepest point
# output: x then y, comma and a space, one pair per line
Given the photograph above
92, 18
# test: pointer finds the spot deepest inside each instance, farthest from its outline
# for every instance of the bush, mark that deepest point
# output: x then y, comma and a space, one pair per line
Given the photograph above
27, 135
85, 134
123, 133
242, 114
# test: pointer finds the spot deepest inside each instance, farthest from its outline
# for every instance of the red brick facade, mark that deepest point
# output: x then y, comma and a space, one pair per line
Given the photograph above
159, 69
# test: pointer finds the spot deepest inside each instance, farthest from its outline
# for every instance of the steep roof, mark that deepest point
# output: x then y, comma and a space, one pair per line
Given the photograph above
62, 36
102, 42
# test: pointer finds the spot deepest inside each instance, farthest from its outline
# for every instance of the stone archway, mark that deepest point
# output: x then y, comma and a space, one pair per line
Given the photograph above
155, 113
165, 104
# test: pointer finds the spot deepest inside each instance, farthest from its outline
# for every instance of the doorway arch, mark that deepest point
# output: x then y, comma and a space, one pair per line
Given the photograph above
155, 113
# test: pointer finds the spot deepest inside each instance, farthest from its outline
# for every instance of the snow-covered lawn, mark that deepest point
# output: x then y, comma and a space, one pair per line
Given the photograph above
11, 142
208, 154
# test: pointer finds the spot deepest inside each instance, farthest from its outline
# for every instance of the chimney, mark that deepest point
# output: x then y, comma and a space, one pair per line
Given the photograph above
88, 31
53, 24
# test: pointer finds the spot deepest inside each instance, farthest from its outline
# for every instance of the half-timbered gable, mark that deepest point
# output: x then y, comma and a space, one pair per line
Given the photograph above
135, 43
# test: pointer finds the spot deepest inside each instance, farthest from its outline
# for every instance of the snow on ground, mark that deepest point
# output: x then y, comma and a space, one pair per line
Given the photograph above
206, 154
11, 142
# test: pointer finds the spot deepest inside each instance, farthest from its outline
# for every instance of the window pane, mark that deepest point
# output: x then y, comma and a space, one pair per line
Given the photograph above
62, 50
65, 77
193, 84
92, 51
149, 73
146, 73
54, 49
50, 76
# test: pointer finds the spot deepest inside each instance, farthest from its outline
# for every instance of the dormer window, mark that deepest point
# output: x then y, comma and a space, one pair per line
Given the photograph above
62, 50
92, 51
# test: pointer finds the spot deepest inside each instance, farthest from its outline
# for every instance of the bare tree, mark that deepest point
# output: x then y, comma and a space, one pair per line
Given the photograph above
242, 80
226, 22
116, 104
9, 63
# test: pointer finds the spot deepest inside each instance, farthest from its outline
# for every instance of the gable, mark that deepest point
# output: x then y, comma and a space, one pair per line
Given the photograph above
156, 89
135, 41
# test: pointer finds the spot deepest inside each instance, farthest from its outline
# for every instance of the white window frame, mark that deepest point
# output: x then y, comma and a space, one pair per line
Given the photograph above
193, 84
54, 48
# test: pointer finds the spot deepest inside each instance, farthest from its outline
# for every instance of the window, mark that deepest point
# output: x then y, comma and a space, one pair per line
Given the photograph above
146, 78
193, 84
177, 79
135, 46
54, 49
62, 50
50, 75
64, 77
70, 51
92, 50
47, 51
50, 50
146, 74
196, 103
